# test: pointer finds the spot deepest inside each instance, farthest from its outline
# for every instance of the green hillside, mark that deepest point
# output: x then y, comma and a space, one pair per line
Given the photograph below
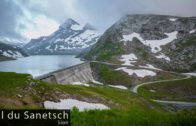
182, 90
21, 91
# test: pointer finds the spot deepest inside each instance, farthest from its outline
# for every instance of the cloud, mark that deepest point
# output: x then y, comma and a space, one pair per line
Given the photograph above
25, 19
9, 12
103, 13
41, 26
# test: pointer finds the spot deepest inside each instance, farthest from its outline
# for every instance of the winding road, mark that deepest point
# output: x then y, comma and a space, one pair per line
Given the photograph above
176, 103
135, 89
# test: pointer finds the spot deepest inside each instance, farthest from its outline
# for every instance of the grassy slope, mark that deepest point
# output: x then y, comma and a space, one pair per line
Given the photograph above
108, 75
108, 48
12, 87
126, 109
22, 91
184, 90
133, 117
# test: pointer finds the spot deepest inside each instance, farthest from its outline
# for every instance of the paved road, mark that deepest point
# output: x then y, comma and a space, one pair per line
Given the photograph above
135, 89
176, 103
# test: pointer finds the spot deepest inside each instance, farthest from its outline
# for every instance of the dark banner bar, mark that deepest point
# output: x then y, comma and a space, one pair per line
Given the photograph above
34, 117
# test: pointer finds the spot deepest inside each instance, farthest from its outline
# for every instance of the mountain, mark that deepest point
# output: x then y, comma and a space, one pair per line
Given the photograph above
70, 38
166, 42
8, 52
12, 42
20, 45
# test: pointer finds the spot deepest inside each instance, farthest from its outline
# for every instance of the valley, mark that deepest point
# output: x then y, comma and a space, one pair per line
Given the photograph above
140, 71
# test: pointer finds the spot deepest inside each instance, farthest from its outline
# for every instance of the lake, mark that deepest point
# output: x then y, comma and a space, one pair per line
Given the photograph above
39, 65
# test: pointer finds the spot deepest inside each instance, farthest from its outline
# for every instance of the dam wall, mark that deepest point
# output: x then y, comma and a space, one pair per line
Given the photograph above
78, 73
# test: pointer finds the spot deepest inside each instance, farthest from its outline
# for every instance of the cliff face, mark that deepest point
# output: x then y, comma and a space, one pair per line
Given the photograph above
166, 42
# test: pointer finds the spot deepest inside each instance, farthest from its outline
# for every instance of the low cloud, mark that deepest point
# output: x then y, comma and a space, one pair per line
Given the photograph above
25, 19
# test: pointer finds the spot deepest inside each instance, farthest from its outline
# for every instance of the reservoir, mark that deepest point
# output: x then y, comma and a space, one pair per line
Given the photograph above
39, 65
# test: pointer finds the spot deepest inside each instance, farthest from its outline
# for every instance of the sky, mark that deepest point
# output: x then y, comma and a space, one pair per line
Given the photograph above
22, 20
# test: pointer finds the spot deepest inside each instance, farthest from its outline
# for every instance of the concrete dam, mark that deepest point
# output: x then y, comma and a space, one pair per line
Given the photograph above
78, 73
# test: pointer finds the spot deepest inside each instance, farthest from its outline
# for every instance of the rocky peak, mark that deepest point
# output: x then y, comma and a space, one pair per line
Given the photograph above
68, 23
152, 27
70, 38
89, 27
164, 41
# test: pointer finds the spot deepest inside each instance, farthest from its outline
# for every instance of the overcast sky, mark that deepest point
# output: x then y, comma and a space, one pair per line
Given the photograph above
25, 19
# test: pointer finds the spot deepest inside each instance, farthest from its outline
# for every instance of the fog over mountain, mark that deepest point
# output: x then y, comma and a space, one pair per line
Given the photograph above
23, 20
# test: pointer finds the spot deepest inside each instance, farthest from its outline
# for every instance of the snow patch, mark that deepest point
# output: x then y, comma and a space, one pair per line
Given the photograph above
56, 47
139, 72
150, 67
97, 82
131, 36
13, 54
128, 59
192, 31
70, 103
58, 40
154, 44
118, 86
80, 84
83, 40
173, 19
192, 74
18, 55
163, 56
152, 91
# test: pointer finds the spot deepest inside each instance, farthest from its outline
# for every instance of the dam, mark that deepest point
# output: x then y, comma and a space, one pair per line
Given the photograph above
78, 73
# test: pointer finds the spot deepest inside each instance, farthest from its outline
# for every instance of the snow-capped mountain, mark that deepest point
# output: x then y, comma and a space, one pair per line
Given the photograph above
166, 42
11, 52
70, 38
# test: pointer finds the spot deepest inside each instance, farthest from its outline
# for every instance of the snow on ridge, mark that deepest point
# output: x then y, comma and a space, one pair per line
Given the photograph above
70, 103
192, 31
154, 44
12, 54
139, 72
163, 56
82, 40
118, 86
173, 19
58, 40
128, 59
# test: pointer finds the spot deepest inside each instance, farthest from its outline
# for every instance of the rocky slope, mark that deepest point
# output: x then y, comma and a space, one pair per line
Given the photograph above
70, 38
8, 52
166, 42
